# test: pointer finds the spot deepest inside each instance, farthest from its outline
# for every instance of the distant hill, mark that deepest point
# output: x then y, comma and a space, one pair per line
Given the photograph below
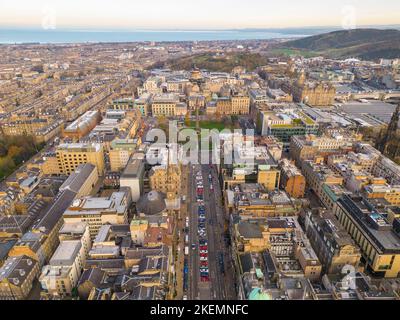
366, 44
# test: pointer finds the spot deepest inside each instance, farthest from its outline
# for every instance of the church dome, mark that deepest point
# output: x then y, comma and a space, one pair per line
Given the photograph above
259, 294
151, 203
254, 85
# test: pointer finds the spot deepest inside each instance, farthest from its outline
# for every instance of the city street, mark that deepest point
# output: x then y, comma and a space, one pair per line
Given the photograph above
221, 278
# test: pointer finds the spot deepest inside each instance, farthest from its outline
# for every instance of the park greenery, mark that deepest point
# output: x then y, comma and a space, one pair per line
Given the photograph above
216, 63
14, 151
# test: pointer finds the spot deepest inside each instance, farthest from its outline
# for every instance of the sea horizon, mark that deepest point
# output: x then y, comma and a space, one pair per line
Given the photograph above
60, 36
30, 35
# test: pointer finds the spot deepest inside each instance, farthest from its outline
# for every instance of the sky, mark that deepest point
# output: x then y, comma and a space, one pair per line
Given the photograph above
199, 14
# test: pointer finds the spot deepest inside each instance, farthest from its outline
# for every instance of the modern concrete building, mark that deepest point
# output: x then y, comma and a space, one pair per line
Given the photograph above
378, 241
61, 275
132, 177
99, 211
71, 155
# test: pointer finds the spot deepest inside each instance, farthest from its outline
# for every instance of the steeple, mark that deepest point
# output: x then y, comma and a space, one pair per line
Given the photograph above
391, 131
302, 78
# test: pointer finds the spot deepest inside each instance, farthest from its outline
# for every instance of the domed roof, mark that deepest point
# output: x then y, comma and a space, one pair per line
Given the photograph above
254, 85
258, 294
151, 203
196, 74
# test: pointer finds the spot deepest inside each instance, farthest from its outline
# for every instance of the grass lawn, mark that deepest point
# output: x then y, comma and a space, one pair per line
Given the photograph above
210, 125
293, 52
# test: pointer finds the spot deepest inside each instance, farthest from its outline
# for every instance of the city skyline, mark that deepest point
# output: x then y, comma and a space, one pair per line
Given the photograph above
177, 14
217, 151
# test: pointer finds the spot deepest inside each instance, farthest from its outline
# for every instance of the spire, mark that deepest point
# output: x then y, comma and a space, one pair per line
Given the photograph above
391, 131
302, 78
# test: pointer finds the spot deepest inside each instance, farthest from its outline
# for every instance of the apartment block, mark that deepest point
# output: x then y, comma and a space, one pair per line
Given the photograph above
71, 155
